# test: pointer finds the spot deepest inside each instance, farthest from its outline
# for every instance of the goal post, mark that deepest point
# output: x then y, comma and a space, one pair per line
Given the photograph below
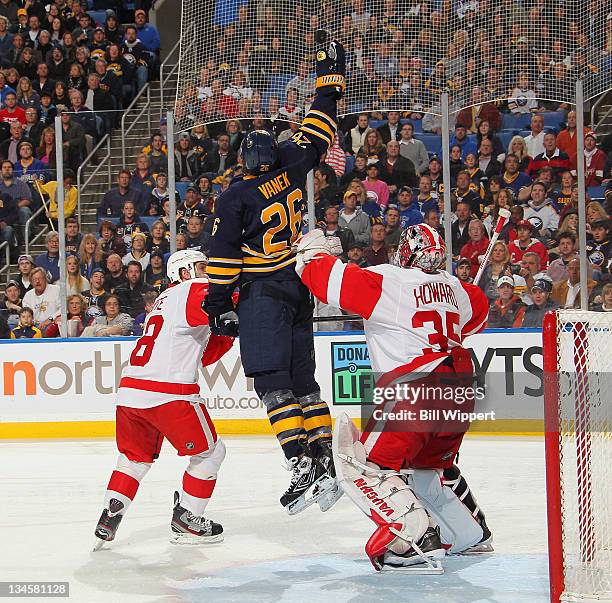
577, 348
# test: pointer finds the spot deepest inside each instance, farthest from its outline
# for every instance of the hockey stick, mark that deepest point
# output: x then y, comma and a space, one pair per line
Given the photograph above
502, 219
42, 197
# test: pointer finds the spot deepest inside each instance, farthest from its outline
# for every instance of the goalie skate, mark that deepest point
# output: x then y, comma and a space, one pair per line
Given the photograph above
191, 529
423, 558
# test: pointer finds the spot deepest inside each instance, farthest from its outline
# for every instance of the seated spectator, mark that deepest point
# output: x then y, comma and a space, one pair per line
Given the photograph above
46, 151
5, 330
551, 157
76, 306
9, 218
25, 265
129, 223
73, 236
90, 255
41, 83
96, 292
606, 300
540, 212
336, 158
566, 293
497, 266
201, 143
74, 137
459, 227
518, 147
27, 97
158, 195
478, 180
191, 206
432, 218
76, 283
131, 293
155, 273
566, 141
487, 163
25, 329
115, 273
456, 163
413, 149
220, 159
463, 193
461, 139
331, 228
149, 300
525, 243
27, 168
478, 110
505, 200
34, 126
376, 253
373, 147
562, 195
464, 270
535, 140
599, 248
113, 323
325, 186
372, 183
100, 101
142, 176
49, 260
11, 111
523, 98
115, 198
486, 132
507, 309
533, 315
138, 251
43, 298
71, 195
187, 161
594, 159
557, 270
197, 237
355, 254
11, 304
396, 171
476, 247
409, 212
142, 57
205, 190
157, 153
356, 137
512, 177
158, 241
353, 218
393, 228
391, 130
9, 147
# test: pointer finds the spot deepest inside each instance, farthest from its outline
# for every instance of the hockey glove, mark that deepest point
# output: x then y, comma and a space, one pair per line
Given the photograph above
331, 65
225, 324
315, 243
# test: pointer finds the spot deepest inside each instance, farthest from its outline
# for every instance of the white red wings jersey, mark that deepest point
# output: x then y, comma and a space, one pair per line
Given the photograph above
176, 339
412, 319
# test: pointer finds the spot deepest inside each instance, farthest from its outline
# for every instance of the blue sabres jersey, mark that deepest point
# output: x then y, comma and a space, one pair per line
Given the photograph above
259, 218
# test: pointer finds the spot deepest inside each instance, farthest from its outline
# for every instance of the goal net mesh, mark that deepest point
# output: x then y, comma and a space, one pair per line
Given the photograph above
239, 58
584, 351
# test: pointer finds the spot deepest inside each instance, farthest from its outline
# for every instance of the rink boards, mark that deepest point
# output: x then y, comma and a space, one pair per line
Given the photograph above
65, 388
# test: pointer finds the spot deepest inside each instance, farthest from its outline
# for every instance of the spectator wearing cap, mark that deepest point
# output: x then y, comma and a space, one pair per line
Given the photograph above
377, 252
525, 243
371, 207
354, 219
413, 149
435, 174
147, 33
551, 157
113, 31
114, 199
374, 184
28, 168
43, 298
599, 247
155, 273
594, 162
355, 254
138, 251
393, 228
96, 292
535, 140
463, 271
507, 310
395, 170
477, 245
460, 138
191, 206
70, 196
533, 315
11, 303
409, 213
11, 112
541, 212
25, 265
49, 260
566, 293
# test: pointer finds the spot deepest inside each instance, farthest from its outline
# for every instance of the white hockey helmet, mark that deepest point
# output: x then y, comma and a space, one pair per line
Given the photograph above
420, 246
185, 258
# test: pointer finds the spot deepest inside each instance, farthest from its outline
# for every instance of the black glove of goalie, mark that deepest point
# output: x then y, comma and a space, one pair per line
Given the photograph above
225, 324
331, 64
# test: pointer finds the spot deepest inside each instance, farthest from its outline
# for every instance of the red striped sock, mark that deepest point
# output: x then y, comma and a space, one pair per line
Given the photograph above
196, 493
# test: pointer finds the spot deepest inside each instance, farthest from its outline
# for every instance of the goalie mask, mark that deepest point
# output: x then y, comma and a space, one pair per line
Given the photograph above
421, 247
259, 152
185, 258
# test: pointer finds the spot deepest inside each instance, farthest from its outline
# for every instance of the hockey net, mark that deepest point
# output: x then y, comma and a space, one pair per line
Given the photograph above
577, 348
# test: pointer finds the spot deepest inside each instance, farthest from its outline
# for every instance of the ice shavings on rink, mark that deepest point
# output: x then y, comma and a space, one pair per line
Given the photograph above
52, 493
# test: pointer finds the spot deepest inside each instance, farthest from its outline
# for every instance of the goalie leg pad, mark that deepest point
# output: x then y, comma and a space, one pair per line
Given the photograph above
458, 527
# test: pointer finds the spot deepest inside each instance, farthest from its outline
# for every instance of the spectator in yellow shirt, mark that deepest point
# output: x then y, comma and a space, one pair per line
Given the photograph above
70, 195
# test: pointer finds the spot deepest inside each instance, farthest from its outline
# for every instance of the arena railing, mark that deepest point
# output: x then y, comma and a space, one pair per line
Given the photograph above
146, 90
4, 247
594, 121
28, 229
170, 67
100, 163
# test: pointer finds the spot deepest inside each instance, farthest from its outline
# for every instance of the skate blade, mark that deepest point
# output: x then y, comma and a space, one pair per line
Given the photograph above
480, 548
317, 491
99, 544
184, 538
431, 564
330, 499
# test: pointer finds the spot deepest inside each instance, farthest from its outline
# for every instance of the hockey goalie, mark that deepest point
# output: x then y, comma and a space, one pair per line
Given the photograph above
416, 317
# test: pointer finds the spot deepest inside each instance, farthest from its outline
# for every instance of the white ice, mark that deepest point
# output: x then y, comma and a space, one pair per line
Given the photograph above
52, 491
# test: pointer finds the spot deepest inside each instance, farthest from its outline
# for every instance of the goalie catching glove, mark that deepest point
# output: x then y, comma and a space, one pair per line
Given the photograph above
315, 243
331, 66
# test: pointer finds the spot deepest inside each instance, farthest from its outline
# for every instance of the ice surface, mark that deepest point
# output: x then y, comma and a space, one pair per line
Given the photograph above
52, 492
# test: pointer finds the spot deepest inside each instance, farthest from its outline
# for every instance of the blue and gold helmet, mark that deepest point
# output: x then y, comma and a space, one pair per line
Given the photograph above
259, 152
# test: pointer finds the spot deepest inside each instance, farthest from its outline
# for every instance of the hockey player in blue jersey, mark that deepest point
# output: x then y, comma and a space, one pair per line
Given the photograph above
257, 222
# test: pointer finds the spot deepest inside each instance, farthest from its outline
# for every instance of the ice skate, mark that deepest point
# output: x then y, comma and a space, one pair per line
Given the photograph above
333, 494
423, 557
309, 483
108, 523
485, 545
188, 528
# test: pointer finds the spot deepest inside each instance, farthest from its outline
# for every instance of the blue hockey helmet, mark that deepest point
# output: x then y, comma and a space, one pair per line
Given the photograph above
259, 152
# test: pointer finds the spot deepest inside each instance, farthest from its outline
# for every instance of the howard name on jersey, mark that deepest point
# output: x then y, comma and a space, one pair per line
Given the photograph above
413, 319
176, 340
258, 218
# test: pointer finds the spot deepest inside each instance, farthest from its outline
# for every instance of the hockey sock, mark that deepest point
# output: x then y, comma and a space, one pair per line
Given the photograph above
287, 420
317, 420
200, 478
124, 481
453, 479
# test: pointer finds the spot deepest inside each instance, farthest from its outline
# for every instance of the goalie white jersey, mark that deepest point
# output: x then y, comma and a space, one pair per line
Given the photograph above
413, 319
176, 339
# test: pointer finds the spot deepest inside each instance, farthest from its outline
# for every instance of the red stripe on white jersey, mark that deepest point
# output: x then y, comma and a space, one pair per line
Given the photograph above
162, 387
196, 317
316, 275
480, 309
